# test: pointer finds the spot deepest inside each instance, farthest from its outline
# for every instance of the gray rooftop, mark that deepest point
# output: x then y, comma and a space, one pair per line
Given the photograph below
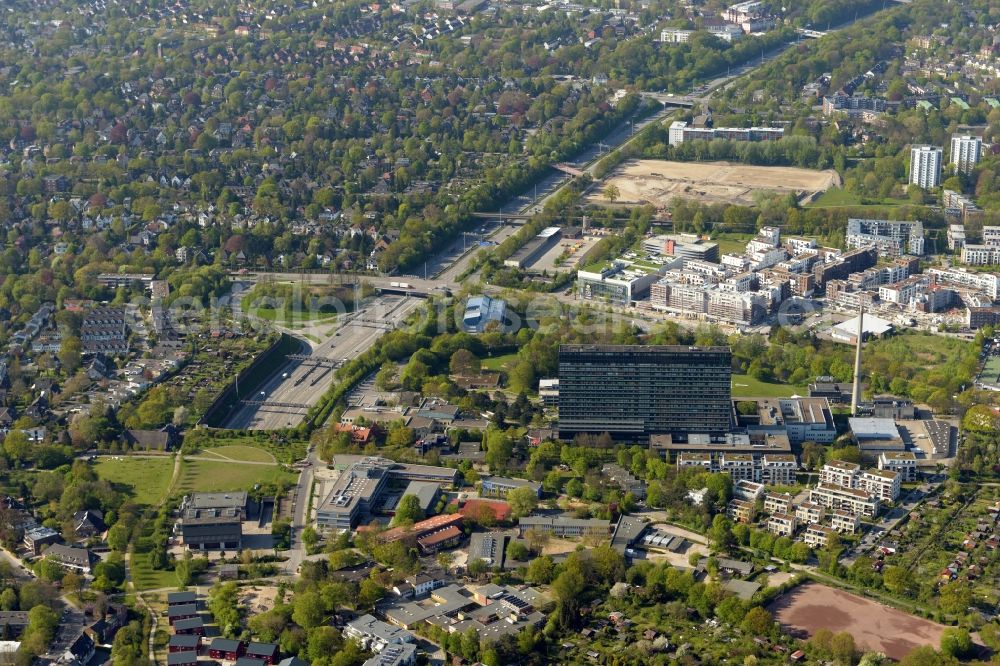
865, 427
369, 626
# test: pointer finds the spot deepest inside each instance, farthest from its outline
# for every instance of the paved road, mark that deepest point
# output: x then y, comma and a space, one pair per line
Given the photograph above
300, 382
17, 568
890, 520
71, 624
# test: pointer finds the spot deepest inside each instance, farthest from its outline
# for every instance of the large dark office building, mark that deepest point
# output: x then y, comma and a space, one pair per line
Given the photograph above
633, 391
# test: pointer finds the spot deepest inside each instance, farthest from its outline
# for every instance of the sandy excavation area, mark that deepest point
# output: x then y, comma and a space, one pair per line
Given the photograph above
658, 181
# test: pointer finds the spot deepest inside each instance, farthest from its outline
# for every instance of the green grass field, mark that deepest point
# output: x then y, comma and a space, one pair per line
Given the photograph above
146, 478
836, 196
747, 386
250, 306
839, 198
991, 371
731, 242
146, 577
283, 449
505, 362
207, 477
239, 453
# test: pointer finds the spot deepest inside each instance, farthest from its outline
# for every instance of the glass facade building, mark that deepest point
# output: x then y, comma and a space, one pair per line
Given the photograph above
633, 391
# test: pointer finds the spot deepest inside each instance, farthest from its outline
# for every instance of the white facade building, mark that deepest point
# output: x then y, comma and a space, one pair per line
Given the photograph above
966, 151
925, 166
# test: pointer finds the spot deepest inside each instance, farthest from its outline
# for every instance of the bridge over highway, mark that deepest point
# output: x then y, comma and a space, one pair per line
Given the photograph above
667, 99
415, 286
315, 360
275, 405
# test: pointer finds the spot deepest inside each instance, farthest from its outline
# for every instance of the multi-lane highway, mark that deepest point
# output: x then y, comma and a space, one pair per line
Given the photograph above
283, 400
303, 381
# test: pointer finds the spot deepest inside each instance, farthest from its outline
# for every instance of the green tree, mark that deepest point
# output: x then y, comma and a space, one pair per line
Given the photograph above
309, 609
118, 537
16, 446
757, 622
408, 511
567, 589
721, 533
516, 550
541, 570
522, 501
956, 642
955, 597
842, 648
369, 592
898, 580
70, 353
323, 642
310, 537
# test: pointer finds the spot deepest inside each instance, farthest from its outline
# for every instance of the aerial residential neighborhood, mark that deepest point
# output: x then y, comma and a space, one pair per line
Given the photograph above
341, 333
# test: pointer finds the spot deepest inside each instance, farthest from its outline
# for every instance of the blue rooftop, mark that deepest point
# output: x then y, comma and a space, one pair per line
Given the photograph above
480, 311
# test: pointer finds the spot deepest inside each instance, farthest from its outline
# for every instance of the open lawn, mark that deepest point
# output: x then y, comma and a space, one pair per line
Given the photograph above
204, 476
290, 318
875, 627
836, 197
746, 386
146, 479
504, 362
731, 243
239, 453
146, 577
269, 446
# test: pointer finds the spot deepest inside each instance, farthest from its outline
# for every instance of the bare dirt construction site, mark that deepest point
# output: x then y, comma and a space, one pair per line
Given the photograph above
657, 182
875, 627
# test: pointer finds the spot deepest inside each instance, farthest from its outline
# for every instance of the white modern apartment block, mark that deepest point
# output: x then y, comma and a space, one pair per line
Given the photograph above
925, 166
892, 238
675, 35
738, 465
810, 513
688, 459
966, 151
778, 469
980, 255
854, 500
881, 483
902, 462
956, 237
817, 536
782, 524
777, 502
991, 236
844, 522
743, 11
748, 490
680, 132
727, 32
988, 283
740, 511
839, 473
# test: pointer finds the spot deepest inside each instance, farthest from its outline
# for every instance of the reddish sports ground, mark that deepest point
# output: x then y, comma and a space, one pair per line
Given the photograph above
875, 627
